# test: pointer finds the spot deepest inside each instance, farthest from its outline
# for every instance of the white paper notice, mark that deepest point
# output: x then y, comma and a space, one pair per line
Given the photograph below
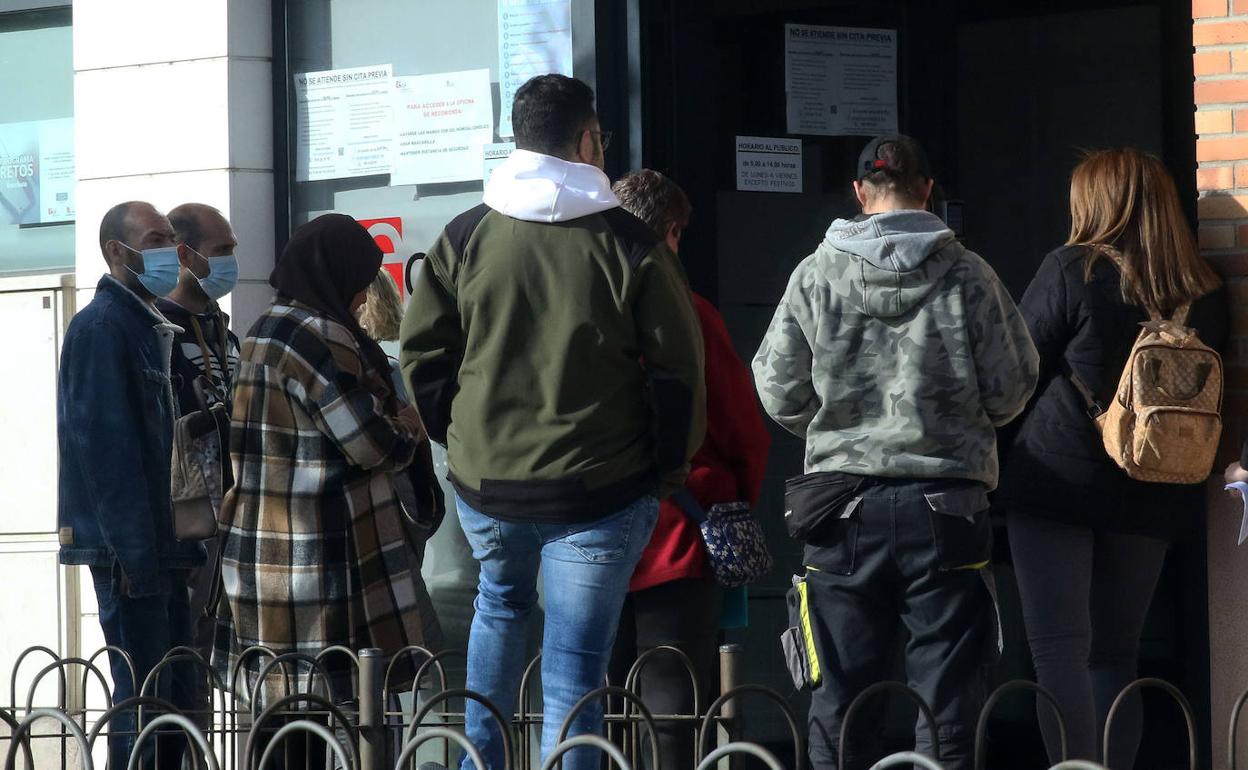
494, 156
345, 121
769, 165
534, 38
840, 81
442, 122
1242, 488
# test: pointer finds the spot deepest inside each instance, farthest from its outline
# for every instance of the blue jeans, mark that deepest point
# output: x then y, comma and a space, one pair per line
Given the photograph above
586, 569
146, 628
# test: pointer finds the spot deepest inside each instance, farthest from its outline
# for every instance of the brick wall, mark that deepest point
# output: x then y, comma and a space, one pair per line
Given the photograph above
1220, 93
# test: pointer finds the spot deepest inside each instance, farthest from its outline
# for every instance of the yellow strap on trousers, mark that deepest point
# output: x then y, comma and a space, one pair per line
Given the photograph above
808, 636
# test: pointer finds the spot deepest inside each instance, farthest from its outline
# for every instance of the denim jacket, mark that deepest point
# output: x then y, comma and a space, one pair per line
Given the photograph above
115, 431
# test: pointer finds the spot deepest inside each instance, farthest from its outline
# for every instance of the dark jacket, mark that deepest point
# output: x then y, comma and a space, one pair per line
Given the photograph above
115, 432
417, 484
1056, 465
187, 363
552, 344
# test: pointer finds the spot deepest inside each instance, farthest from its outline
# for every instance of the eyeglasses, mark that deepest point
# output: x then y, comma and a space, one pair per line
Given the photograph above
603, 136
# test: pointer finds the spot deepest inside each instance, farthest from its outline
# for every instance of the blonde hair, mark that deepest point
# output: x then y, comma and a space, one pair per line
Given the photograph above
1124, 207
382, 311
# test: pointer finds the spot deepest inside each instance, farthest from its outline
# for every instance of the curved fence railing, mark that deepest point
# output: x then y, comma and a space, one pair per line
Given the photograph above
375, 727
748, 749
874, 691
608, 748
276, 710
418, 721
981, 727
1189, 716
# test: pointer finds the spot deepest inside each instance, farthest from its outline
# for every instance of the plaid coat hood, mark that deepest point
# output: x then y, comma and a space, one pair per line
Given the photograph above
314, 553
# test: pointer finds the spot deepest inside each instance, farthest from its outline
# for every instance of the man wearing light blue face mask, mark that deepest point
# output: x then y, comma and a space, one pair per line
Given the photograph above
205, 353
206, 350
115, 418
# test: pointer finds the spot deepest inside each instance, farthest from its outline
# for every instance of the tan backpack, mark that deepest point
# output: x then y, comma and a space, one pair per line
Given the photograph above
1164, 422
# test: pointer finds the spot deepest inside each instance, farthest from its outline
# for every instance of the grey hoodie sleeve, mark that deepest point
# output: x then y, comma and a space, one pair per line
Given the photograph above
782, 366
1006, 362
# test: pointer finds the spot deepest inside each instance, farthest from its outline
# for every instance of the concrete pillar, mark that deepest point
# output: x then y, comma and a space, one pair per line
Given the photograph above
173, 103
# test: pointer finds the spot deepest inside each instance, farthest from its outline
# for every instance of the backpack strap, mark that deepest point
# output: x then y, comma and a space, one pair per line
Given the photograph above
1180, 313
207, 358
687, 503
1090, 404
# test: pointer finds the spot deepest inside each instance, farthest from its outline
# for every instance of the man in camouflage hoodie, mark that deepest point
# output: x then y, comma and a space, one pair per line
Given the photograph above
895, 353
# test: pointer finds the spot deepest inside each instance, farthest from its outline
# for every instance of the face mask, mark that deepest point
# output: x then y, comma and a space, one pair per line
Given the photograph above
160, 269
222, 275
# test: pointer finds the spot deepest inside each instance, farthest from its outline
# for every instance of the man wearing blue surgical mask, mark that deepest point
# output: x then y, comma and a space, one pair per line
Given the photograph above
205, 360
205, 352
115, 416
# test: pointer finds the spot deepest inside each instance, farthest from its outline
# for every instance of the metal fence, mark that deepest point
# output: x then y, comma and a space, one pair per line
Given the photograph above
381, 728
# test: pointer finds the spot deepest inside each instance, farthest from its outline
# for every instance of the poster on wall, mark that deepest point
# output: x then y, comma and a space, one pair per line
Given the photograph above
534, 38
345, 123
442, 123
37, 172
840, 81
494, 155
769, 165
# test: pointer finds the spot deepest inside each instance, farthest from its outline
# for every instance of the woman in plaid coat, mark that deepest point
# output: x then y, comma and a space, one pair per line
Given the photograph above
314, 552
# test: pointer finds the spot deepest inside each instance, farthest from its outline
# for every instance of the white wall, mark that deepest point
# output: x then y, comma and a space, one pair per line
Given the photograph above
173, 104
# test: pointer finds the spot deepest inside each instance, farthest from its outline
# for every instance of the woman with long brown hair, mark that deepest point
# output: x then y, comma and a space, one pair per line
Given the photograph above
1088, 542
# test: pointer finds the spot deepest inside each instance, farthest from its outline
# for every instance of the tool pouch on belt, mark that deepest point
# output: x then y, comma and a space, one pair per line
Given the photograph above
798, 640
813, 501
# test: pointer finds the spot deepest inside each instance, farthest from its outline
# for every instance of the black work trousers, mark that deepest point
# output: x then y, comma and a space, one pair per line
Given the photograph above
912, 554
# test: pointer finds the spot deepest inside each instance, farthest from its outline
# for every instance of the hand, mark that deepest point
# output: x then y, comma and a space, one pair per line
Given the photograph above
409, 418
1235, 472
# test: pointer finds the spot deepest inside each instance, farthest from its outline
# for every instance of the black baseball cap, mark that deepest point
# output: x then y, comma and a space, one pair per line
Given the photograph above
906, 157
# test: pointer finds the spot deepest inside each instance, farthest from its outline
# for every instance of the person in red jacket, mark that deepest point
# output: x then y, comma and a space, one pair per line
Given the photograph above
673, 597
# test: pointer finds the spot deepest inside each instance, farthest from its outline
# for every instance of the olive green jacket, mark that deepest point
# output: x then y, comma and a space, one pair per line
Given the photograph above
558, 359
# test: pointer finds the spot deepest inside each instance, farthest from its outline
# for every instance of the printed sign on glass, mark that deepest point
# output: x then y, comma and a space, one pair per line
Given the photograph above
840, 81
443, 122
344, 123
37, 172
769, 165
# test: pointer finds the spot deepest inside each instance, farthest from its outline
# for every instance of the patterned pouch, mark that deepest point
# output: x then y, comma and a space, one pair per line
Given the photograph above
199, 468
734, 539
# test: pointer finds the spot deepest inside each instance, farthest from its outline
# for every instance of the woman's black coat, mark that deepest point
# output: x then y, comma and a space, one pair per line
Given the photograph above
1055, 465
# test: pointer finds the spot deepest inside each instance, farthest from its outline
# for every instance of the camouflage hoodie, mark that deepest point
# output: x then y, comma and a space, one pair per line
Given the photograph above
895, 352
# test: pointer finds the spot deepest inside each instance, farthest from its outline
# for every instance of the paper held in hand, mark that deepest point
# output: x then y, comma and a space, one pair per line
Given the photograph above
1242, 488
